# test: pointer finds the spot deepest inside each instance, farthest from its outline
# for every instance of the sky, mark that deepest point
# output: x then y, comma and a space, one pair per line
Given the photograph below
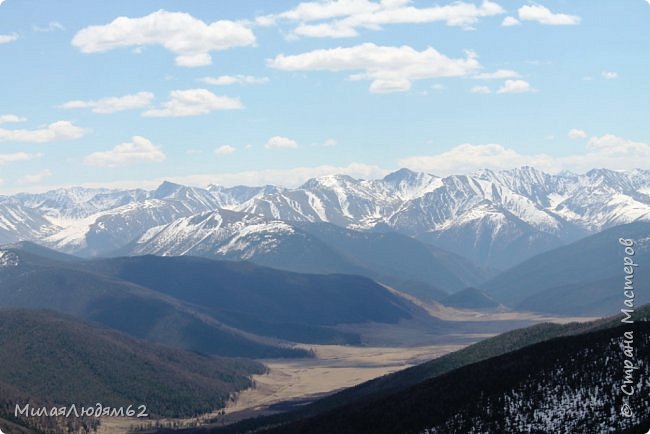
127, 94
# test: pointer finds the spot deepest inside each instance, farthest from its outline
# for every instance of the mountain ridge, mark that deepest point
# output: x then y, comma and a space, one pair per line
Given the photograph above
507, 215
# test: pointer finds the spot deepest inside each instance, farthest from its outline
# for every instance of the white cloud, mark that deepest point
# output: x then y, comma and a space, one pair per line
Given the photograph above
328, 143
577, 134
291, 177
481, 89
515, 86
139, 150
226, 80
609, 75
225, 150
9, 118
193, 102
510, 21
499, 74
113, 104
189, 38
543, 15
51, 27
17, 156
467, 157
608, 151
344, 18
5, 39
390, 69
61, 130
35, 177
281, 142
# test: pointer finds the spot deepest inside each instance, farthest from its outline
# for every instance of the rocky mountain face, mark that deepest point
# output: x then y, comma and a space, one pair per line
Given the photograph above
496, 219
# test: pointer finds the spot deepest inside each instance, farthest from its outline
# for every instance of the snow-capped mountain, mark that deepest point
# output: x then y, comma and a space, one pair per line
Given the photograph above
496, 218
214, 233
20, 222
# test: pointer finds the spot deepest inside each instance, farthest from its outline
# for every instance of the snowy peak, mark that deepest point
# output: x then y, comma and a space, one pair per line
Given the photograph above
409, 185
167, 189
220, 233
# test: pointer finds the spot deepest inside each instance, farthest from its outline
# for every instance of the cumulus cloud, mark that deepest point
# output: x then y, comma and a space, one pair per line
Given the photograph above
510, 21
17, 156
35, 177
608, 151
113, 104
5, 39
189, 38
139, 150
193, 102
543, 15
516, 86
467, 157
227, 80
225, 150
577, 134
499, 74
344, 18
281, 142
609, 75
291, 177
10, 118
390, 69
481, 89
61, 130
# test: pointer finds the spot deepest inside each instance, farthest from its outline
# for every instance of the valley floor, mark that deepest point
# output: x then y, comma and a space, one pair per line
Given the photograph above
335, 367
290, 383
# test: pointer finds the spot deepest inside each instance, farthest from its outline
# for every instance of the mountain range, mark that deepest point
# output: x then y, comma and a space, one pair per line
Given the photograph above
494, 219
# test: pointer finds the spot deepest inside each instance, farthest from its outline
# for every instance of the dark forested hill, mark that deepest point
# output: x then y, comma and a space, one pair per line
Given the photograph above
570, 384
36, 282
383, 387
582, 278
216, 307
50, 358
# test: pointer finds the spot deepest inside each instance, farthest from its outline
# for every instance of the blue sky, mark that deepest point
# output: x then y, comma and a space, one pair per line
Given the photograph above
125, 93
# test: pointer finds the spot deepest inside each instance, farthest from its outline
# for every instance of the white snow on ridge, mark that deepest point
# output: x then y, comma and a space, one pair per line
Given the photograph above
256, 238
8, 259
